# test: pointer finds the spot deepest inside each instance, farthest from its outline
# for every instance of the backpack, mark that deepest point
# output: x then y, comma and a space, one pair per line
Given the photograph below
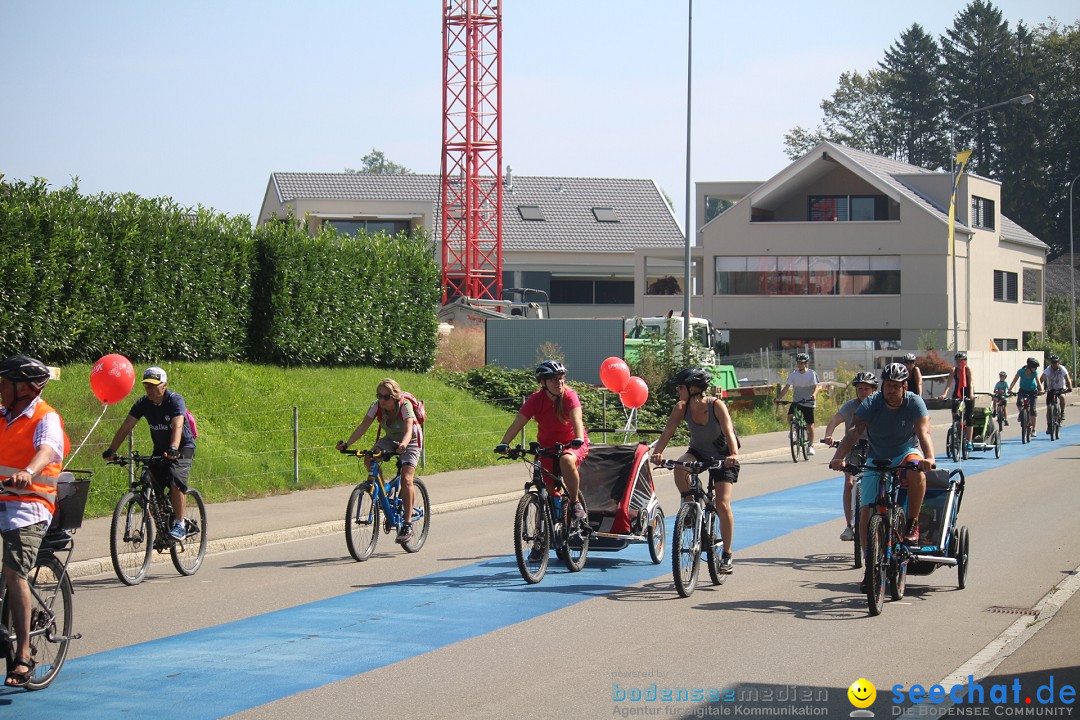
189, 420
418, 410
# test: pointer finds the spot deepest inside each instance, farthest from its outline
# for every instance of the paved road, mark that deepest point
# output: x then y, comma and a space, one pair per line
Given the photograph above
297, 629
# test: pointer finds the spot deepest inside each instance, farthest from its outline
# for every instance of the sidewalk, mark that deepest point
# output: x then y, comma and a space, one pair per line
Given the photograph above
279, 518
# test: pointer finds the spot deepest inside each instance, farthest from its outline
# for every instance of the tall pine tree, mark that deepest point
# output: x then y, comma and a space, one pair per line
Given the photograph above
911, 71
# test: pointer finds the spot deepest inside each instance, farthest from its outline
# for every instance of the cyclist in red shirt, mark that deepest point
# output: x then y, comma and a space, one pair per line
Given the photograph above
557, 411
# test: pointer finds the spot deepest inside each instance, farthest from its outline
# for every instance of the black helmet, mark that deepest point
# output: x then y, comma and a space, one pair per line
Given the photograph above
895, 372
1032, 363
962, 355
696, 377
866, 378
910, 357
802, 357
1055, 358
20, 368
549, 368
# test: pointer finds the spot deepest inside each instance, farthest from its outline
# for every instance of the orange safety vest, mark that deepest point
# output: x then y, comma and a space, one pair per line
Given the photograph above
17, 450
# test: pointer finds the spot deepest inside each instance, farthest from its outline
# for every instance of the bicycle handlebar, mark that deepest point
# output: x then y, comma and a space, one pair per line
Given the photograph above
695, 466
373, 454
125, 460
516, 452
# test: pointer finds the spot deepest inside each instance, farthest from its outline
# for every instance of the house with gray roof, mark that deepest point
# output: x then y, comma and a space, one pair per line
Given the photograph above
574, 238
844, 248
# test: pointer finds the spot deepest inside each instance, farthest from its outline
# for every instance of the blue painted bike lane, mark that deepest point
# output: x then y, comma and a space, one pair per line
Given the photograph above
225, 669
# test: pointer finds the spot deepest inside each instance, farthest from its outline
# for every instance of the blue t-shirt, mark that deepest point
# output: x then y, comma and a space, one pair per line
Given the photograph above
159, 418
1029, 381
891, 432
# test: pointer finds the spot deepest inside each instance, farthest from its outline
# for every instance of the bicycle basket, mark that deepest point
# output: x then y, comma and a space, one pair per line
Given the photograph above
71, 495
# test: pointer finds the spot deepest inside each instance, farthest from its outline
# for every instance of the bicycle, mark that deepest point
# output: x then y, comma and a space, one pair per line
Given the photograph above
887, 555
142, 519
51, 593
1053, 413
797, 433
374, 498
998, 409
697, 529
543, 519
955, 445
859, 455
1026, 416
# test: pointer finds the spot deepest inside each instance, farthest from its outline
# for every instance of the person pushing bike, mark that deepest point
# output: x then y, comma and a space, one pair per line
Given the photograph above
712, 437
32, 448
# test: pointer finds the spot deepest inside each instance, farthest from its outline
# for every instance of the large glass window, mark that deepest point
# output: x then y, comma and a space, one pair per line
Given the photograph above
715, 206
664, 276
1032, 285
824, 274
585, 291
869, 274
791, 275
839, 208
371, 227
808, 275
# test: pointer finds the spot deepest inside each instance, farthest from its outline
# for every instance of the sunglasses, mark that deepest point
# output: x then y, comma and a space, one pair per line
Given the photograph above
384, 397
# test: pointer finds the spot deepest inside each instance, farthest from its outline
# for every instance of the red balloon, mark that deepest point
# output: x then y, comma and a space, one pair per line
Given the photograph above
614, 373
112, 378
635, 393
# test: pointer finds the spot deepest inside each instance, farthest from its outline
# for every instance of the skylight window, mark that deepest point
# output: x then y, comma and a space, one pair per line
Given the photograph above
530, 212
605, 214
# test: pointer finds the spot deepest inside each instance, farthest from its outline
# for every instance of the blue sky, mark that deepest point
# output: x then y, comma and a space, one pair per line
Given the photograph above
202, 100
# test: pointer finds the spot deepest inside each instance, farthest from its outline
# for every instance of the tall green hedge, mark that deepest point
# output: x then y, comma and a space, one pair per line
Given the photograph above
88, 275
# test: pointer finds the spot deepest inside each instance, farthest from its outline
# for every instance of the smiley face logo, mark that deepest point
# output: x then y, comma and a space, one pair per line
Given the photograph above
862, 693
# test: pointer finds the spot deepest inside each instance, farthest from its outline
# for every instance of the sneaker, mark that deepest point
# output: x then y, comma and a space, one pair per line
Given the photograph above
864, 585
1049, 433
405, 534
968, 447
911, 537
178, 531
848, 534
579, 511
726, 566
810, 450
1006, 422
536, 554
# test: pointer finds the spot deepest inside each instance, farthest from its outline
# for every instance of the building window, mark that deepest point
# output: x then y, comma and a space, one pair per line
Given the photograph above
982, 213
605, 214
808, 275
1004, 344
837, 208
584, 291
869, 274
371, 227
715, 206
1004, 286
665, 277
530, 212
1032, 285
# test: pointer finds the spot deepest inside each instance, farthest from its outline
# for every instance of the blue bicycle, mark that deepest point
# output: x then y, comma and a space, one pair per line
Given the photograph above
376, 502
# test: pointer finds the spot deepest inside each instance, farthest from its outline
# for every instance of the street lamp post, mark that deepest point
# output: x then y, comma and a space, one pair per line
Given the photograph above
687, 279
1072, 276
1019, 100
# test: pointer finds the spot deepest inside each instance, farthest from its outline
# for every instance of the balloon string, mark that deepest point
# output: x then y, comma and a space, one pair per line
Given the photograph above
72, 456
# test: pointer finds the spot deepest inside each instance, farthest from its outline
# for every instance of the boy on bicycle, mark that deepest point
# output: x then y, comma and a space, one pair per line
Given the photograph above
865, 384
712, 437
897, 425
804, 388
1001, 391
1056, 382
32, 447
165, 413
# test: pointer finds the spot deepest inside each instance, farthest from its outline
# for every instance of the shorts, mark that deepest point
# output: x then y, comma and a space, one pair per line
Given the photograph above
969, 408
1032, 397
719, 474
21, 547
175, 474
410, 457
872, 478
548, 463
806, 410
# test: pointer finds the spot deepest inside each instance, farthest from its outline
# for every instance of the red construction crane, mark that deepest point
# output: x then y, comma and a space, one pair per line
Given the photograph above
472, 149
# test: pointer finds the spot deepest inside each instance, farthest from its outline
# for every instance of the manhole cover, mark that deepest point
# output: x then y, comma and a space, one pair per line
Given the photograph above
1011, 610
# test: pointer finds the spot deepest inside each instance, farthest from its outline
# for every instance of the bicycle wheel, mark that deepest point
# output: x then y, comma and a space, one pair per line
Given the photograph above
50, 620
793, 440
188, 554
997, 441
421, 516
855, 523
362, 522
950, 444
963, 556
1025, 426
1052, 419
656, 536
897, 567
804, 442
686, 549
875, 563
131, 538
576, 549
532, 541
714, 547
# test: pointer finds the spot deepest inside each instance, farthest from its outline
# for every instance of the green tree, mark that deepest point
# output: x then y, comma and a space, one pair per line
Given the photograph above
856, 116
1022, 129
911, 84
375, 163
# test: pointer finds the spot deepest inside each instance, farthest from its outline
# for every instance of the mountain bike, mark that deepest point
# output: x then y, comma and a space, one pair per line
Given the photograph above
544, 520
376, 498
697, 530
1053, 413
1026, 416
797, 432
955, 445
143, 517
856, 457
51, 594
999, 402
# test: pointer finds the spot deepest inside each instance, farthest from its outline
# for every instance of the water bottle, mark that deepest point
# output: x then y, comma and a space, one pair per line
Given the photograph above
557, 501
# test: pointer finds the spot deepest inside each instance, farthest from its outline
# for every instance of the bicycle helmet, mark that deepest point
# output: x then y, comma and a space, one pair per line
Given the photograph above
1055, 358
962, 355
549, 369
802, 357
867, 378
696, 377
910, 357
1032, 363
20, 368
895, 372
